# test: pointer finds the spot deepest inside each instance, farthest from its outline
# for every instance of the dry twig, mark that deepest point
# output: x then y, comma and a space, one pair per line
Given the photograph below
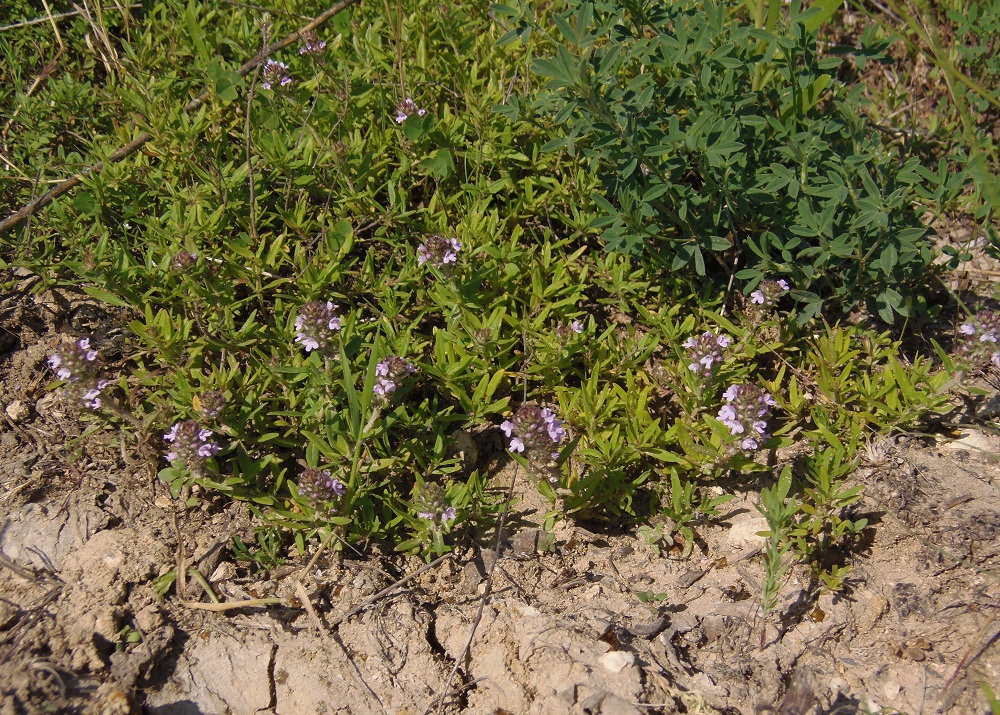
61, 16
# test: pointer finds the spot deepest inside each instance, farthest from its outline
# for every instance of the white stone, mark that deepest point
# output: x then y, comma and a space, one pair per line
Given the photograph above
975, 441
616, 661
744, 534
891, 690
839, 685
18, 411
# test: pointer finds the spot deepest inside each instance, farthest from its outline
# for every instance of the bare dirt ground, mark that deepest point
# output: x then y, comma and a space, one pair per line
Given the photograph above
85, 530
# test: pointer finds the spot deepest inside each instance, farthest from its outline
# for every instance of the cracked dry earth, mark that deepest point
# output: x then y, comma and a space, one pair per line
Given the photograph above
85, 530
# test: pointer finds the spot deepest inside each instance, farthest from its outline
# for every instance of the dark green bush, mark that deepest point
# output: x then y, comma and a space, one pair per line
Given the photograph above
731, 146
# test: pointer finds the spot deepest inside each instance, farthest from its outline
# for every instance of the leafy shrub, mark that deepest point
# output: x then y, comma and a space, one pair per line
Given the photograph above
732, 147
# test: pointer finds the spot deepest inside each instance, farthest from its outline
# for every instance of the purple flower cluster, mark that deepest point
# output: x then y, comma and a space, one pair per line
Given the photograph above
434, 503
183, 261
211, 404
444, 515
389, 375
311, 44
77, 364
746, 414
316, 324
319, 487
275, 75
981, 337
705, 351
438, 251
192, 444
407, 107
533, 428
768, 292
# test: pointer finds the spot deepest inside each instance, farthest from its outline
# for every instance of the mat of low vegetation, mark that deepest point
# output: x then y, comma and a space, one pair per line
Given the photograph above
656, 254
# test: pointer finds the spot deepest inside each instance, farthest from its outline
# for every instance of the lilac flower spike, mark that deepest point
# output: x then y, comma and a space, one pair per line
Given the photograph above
407, 107
192, 444
982, 337
434, 507
275, 75
768, 292
746, 414
183, 261
316, 324
77, 364
533, 428
439, 251
389, 375
319, 487
311, 44
706, 351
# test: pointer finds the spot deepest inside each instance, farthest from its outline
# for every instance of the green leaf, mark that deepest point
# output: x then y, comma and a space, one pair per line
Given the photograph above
106, 296
86, 204
888, 259
819, 13
440, 164
196, 31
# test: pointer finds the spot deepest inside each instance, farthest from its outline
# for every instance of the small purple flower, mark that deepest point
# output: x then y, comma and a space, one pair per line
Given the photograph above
438, 251
746, 413
275, 75
533, 429
316, 324
92, 397
706, 351
320, 488
565, 332
192, 444
389, 375
311, 44
768, 293
553, 425
407, 107
981, 337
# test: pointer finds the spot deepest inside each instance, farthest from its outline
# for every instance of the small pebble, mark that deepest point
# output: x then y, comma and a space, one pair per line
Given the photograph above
891, 690
18, 411
616, 661
745, 534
